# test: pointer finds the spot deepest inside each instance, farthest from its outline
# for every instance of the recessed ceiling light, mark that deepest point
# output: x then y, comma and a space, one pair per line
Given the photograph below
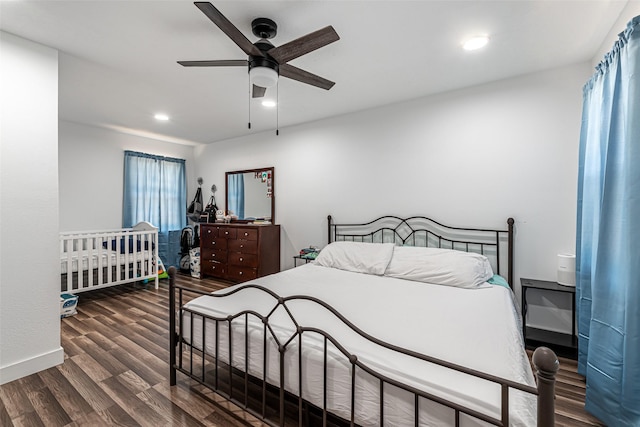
475, 43
161, 117
268, 103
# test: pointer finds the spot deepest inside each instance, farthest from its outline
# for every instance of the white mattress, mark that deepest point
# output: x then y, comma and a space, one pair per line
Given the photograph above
83, 256
476, 328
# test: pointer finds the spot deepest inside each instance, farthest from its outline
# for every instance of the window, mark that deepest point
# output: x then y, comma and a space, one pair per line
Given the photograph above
154, 191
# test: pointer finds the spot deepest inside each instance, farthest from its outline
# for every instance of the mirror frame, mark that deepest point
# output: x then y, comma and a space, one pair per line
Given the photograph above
273, 191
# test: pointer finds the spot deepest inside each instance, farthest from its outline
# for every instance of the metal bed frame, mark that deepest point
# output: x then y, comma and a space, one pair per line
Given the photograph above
241, 388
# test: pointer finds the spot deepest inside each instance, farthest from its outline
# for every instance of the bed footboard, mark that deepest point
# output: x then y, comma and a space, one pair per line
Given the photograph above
97, 259
274, 401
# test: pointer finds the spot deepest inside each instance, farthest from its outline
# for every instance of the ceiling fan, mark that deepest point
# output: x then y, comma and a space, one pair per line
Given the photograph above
266, 62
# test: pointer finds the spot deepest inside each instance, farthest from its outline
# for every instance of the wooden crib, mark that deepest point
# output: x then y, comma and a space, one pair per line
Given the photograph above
99, 259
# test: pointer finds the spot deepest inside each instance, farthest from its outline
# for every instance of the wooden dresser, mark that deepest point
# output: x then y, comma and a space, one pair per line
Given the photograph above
239, 252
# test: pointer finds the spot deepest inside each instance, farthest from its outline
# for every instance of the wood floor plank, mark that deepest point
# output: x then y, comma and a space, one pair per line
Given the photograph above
120, 394
116, 416
28, 419
133, 382
171, 412
91, 392
5, 418
48, 408
91, 367
140, 367
67, 396
103, 358
15, 399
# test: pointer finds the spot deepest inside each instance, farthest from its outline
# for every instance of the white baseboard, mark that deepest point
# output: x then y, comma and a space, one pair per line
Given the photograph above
30, 366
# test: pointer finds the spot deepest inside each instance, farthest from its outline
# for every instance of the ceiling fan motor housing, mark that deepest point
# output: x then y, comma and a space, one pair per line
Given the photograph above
264, 28
263, 61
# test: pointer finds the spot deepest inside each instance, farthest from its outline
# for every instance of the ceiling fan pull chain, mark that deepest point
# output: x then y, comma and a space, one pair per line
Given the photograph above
250, 87
277, 109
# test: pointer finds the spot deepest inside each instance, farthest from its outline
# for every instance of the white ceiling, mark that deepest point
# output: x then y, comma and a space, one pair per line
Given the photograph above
118, 58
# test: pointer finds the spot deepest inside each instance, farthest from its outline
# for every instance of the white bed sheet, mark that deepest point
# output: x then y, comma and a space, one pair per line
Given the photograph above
83, 257
476, 328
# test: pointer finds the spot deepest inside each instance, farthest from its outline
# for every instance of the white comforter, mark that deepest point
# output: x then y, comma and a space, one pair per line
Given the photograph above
476, 328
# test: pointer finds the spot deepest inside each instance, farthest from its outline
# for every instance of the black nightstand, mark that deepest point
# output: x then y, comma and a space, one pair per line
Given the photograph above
300, 257
564, 344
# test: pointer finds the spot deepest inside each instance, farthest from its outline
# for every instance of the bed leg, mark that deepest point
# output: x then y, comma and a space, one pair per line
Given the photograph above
545, 363
172, 325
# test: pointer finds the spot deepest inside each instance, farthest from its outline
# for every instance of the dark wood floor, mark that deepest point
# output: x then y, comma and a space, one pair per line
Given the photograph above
116, 372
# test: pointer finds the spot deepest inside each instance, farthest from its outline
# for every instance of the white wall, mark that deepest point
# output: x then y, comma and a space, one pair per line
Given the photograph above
473, 157
631, 10
91, 163
29, 285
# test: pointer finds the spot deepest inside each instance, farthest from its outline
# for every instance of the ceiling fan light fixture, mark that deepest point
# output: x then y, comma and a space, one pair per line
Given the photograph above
263, 76
475, 43
269, 103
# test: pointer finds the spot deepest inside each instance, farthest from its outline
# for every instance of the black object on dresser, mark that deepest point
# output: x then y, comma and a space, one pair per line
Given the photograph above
563, 344
239, 252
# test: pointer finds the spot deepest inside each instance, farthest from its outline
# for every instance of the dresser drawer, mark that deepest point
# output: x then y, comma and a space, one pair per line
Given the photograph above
244, 246
242, 260
212, 268
215, 243
247, 234
227, 232
213, 255
208, 232
241, 274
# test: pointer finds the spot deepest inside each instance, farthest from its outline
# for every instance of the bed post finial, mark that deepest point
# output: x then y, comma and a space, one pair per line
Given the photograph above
329, 229
172, 325
546, 365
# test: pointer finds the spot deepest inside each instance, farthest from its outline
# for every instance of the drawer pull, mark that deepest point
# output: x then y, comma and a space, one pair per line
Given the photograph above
213, 243
241, 273
241, 246
246, 234
226, 232
208, 231
240, 259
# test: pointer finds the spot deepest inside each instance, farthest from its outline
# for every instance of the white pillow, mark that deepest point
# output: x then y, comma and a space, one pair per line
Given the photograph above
369, 258
439, 266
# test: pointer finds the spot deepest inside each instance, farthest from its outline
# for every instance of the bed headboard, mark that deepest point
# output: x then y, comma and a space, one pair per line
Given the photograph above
496, 245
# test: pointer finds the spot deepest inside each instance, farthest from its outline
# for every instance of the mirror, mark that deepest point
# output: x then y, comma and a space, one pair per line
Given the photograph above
249, 194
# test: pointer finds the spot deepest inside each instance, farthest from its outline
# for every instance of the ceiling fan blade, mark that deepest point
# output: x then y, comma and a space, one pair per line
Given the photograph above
258, 91
215, 63
304, 45
228, 28
294, 73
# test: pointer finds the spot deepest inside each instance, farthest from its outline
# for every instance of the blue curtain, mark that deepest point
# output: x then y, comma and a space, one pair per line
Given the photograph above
608, 235
236, 194
154, 191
